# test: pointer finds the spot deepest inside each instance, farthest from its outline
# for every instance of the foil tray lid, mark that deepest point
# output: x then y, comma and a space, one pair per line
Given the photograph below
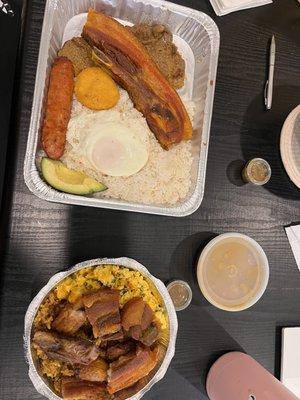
38, 381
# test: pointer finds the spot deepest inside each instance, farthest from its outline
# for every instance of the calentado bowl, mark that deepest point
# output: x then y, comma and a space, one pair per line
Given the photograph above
39, 382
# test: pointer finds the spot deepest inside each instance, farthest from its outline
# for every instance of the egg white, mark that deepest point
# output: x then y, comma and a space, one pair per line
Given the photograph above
114, 149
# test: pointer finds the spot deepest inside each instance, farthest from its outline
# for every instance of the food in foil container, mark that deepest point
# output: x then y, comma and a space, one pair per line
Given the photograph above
78, 51
67, 180
158, 41
128, 128
101, 333
165, 182
58, 107
96, 90
127, 60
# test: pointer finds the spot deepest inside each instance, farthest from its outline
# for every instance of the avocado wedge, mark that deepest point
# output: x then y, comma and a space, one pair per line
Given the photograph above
66, 180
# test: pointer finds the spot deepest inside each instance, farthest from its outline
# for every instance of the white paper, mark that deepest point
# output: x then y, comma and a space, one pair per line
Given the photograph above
293, 234
223, 7
290, 359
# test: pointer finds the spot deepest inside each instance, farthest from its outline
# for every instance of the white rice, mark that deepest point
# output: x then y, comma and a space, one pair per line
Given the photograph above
165, 179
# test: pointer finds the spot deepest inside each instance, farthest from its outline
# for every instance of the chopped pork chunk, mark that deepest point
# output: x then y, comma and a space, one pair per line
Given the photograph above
69, 320
102, 310
120, 349
66, 349
139, 322
95, 371
130, 368
75, 389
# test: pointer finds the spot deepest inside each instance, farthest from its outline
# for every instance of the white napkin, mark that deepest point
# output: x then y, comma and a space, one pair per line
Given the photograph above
223, 7
290, 359
293, 234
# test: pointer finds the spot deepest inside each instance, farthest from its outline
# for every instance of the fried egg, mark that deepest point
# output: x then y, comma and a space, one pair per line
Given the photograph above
115, 149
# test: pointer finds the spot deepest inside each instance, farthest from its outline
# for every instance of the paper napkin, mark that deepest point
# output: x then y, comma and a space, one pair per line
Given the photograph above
293, 234
223, 7
290, 359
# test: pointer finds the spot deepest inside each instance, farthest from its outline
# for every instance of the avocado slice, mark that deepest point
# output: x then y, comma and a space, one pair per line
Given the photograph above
67, 180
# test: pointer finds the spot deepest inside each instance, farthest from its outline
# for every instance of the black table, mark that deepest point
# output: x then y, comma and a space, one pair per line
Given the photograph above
42, 238
10, 31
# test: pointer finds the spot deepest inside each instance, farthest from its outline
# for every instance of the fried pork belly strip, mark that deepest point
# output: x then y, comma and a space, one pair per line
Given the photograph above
130, 391
126, 393
58, 107
66, 349
102, 310
75, 389
130, 368
128, 61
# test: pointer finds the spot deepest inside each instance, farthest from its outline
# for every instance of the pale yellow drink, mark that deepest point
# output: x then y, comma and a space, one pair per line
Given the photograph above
232, 273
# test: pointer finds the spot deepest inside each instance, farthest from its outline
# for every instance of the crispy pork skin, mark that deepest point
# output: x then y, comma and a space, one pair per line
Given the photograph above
96, 371
127, 60
66, 349
102, 310
75, 389
130, 368
130, 391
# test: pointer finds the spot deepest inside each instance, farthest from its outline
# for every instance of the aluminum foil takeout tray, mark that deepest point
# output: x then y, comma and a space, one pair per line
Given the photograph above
39, 382
198, 40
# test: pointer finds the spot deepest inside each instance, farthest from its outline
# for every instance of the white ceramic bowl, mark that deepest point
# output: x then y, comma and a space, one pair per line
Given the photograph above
39, 382
290, 145
263, 264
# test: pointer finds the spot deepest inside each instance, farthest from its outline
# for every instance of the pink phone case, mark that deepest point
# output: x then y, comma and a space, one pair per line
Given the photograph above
237, 376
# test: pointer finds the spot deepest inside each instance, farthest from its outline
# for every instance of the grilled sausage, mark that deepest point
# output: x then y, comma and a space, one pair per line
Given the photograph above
58, 107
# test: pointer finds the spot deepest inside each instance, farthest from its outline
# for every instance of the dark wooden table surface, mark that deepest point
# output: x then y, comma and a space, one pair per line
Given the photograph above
10, 29
40, 238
